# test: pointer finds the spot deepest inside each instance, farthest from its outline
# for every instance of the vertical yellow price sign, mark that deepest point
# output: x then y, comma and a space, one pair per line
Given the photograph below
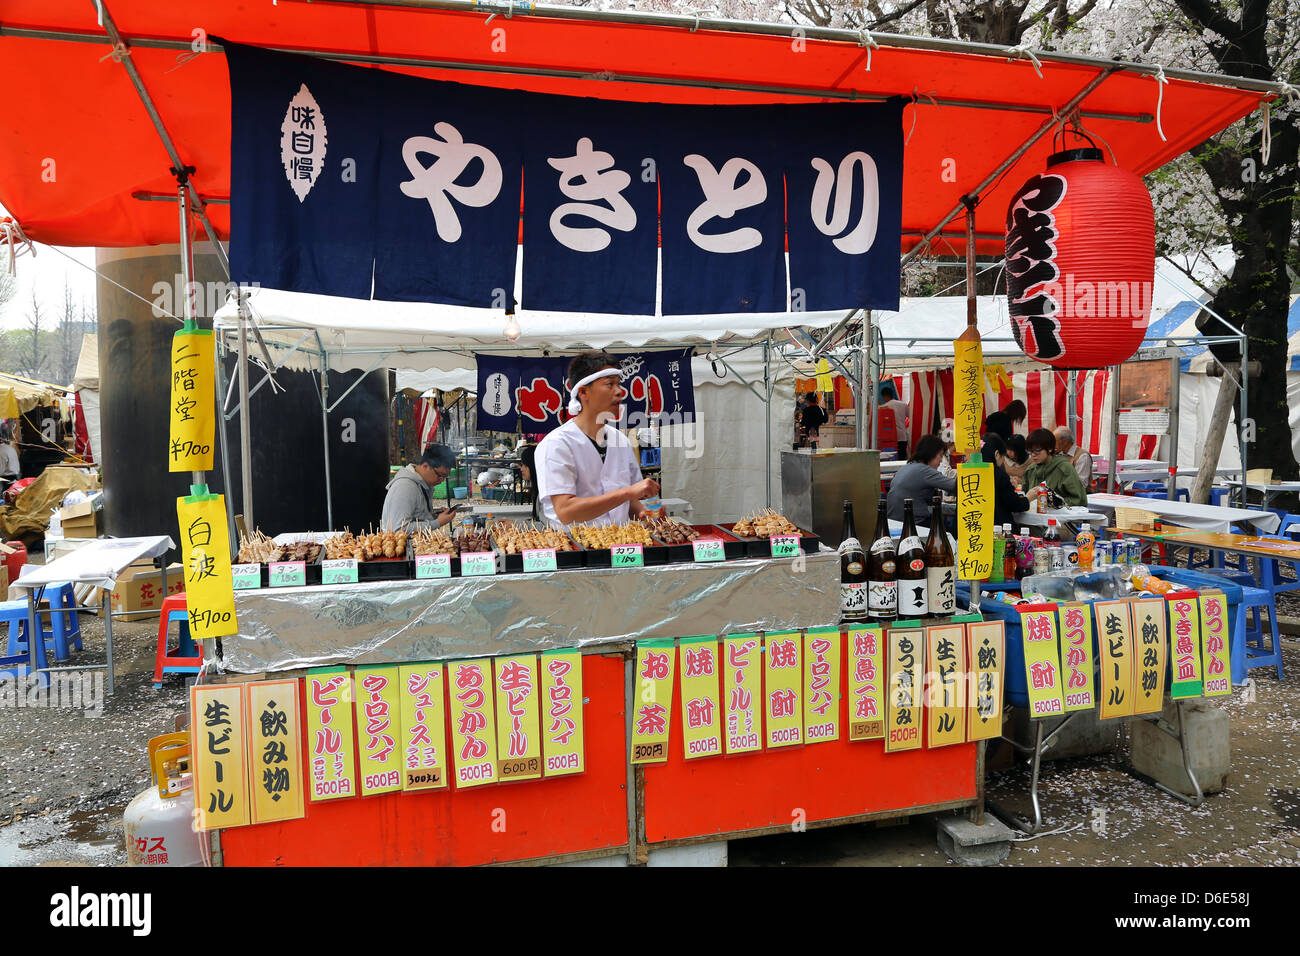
974, 521
783, 679
1150, 655
205, 548
904, 705
1042, 659
945, 686
968, 403
701, 708
652, 700
1076, 657
1185, 644
274, 750
379, 722
562, 734
1115, 656
742, 692
218, 756
519, 741
193, 400
821, 684
984, 713
866, 684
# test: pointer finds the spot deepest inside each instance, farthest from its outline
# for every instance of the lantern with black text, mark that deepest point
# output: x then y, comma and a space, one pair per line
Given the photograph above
1080, 262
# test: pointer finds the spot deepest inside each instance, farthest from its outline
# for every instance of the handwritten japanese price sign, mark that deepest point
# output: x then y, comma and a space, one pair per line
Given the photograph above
1042, 659
329, 733
473, 723
701, 712
519, 743
274, 750
653, 701
974, 521
379, 729
424, 730
866, 684
1150, 652
1115, 654
945, 691
742, 691
192, 402
968, 404
562, 740
783, 689
1214, 643
821, 684
903, 705
205, 546
984, 710
1185, 641
1076, 657
217, 746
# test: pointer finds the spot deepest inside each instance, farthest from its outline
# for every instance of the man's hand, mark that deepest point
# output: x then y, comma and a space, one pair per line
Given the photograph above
645, 488
445, 517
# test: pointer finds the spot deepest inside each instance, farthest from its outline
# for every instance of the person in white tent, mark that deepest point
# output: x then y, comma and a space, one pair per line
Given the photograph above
586, 469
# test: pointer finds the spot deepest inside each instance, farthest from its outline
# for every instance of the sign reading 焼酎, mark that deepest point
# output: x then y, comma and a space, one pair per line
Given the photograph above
701, 710
821, 684
783, 687
1150, 654
519, 742
866, 684
742, 693
1214, 644
192, 402
378, 707
974, 521
329, 733
217, 756
1185, 645
984, 711
1115, 657
1076, 657
424, 729
1042, 659
205, 547
945, 685
652, 701
274, 750
968, 403
562, 738
473, 722
903, 716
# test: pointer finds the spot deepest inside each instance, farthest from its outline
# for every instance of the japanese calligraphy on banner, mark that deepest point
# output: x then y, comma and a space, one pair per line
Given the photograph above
205, 548
945, 685
274, 750
218, 754
1042, 659
866, 684
701, 713
329, 733
984, 711
378, 706
974, 521
473, 723
742, 693
652, 701
1185, 645
424, 729
968, 403
1150, 653
906, 659
436, 176
562, 739
519, 742
1115, 655
1076, 657
783, 686
191, 438
821, 684
1214, 644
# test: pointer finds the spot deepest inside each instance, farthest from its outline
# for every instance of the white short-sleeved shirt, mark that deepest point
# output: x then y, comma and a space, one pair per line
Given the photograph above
569, 464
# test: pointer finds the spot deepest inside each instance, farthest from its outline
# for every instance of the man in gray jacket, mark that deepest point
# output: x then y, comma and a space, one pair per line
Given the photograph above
409, 502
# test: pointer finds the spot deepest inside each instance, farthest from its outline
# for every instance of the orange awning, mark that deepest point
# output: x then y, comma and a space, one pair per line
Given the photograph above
77, 146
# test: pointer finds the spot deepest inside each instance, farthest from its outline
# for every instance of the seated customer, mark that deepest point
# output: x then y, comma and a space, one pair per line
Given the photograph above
1078, 457
1005, 421
919, 479
1006, 500
1017, 458
1047, 467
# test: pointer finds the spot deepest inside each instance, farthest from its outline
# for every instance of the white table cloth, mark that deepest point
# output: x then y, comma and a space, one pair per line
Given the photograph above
1200, 517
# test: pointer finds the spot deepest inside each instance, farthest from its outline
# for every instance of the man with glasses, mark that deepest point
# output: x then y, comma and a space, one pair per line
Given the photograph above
409, 502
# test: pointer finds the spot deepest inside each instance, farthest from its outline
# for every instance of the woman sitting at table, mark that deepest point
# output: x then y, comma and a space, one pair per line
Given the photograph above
1007, 502
1049, 468
919, 479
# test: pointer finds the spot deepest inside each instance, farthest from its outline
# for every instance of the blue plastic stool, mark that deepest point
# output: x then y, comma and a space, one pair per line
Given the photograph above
1217, 495
1246, 649
65, 625
16, 660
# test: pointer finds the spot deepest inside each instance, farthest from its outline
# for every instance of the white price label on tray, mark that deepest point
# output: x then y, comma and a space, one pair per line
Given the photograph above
539, 559
432, 566
478, 562
285, 574
708, 549
627, 556
246, 577
784, 545
339, 571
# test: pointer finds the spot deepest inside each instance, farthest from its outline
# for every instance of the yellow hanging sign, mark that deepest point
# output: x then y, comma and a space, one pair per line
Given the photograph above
1185, 646
329, 733
424, 727
945, 685
193, 398
968, 403
218, 753
1042, 659
562, 735
519, 741
1150, 654
906, 659
1115, 657
742, 693
1076, 657
652, 701
783, 688
866, 684
701, 713
274, 750
379, 731
974, 521
473, 723
205, 549
822, 648
1214, 644
984, 711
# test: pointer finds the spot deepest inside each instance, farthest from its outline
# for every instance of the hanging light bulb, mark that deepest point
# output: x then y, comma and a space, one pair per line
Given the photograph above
512, 329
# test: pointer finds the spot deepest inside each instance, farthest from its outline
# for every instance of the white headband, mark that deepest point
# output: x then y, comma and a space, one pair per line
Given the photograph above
575, 405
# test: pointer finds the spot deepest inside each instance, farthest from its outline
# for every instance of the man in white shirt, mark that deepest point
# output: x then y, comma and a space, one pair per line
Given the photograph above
586, 469
1079, 457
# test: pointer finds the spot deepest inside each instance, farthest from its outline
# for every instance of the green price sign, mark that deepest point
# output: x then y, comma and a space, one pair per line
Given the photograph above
627, 556
287, 574
784, 545
478, 562
432, 566
708, 549
246, 577
342, 571
539, 559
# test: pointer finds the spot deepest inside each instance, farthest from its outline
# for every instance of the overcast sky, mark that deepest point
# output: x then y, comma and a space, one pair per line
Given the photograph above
46, 272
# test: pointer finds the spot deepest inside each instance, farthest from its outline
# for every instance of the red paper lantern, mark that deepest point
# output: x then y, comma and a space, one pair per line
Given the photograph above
1080, 262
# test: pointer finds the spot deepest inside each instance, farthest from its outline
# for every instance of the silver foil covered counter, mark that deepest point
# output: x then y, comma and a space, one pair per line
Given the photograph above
384, 622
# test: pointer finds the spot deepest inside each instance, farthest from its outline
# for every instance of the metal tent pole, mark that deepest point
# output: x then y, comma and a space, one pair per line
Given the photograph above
245, 417
767, 415
222, 436
325, 433
1114, 426
1174, 406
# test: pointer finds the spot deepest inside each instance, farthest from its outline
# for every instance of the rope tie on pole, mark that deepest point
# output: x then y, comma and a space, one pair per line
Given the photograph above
865, 39
916, 101
120, 50
1161, 82
1022, 51
1266, 136
11, 235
